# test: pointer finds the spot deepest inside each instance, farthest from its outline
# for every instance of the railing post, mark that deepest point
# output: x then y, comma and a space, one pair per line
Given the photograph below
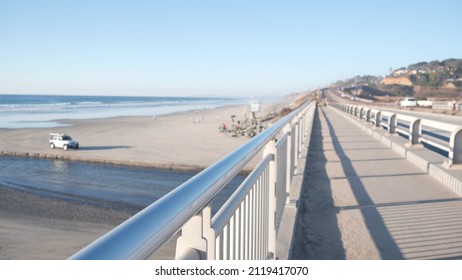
270, 149
392, 124
197, 240
378, 119
300, 137
289, 171
455, 147
295, 147
415, 130
302, 130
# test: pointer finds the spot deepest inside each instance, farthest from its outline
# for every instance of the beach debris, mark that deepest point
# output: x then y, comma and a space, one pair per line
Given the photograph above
252, 125
285, 111
249, 128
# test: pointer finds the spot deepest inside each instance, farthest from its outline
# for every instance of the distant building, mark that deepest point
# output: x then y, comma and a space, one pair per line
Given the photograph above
399, 72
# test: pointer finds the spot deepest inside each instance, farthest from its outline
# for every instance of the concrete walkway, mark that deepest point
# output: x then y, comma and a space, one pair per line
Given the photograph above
362, 200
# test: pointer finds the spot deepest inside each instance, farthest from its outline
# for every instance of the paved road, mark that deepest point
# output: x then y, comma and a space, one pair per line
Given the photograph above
361, 200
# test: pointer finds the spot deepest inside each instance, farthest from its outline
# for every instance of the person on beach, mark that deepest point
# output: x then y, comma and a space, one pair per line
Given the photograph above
223, 128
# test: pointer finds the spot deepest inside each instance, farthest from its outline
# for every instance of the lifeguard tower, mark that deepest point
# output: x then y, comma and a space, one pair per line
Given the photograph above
254, 107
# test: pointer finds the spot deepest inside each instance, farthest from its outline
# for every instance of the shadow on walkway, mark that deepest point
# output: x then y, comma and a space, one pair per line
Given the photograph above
316, 234
384, 242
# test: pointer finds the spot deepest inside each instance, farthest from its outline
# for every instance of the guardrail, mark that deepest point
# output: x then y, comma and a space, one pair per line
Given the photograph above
245, 227
439, 136
445, 105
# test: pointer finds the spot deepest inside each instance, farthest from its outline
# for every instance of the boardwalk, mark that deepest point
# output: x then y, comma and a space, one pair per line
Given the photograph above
361, 200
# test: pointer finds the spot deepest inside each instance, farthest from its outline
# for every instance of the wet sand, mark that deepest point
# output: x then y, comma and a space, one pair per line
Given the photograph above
37, 227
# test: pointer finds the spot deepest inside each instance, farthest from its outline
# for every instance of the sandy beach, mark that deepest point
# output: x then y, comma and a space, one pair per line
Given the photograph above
189, 140
37, 227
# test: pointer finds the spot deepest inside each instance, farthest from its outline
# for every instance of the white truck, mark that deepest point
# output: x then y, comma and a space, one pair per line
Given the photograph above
408, 102
62, 140
425, 103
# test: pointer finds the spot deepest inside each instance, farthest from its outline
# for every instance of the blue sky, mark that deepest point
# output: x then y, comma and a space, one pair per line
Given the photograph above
212, 47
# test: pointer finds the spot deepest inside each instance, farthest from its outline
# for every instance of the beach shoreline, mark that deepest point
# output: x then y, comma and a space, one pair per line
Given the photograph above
188, 141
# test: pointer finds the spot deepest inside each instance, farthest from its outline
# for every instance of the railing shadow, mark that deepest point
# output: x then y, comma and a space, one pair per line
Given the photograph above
381, 237
316, 212
430, 229
421, 217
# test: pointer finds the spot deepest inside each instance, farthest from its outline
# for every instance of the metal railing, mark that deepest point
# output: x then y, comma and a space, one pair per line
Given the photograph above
245, 227
439, 136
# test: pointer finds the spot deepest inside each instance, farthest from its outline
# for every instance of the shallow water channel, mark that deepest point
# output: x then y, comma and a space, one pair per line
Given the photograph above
82, 182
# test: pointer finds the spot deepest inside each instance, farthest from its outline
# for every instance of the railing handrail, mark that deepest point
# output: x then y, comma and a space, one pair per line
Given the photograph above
152, 227
400, 116
442, 125
452, 132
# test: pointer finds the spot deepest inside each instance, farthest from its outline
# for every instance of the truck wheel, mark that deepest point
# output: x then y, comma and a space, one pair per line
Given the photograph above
52, 145
65, 147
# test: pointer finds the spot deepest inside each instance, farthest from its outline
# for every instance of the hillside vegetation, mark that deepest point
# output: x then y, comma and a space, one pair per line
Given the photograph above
434, 79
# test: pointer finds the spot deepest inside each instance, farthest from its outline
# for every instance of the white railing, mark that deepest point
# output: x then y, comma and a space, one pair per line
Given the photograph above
245, 227
436, 135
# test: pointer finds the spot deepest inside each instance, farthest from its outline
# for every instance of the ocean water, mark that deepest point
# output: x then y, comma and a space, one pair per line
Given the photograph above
80, 181
28, 111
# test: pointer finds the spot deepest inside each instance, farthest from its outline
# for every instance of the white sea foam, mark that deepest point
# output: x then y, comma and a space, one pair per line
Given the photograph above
44, 111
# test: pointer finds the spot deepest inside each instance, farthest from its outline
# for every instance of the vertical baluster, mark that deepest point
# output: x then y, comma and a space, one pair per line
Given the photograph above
232, 238
267, 227
264, 220
237, 250
247, 228
225, 237
259, 220
243, 230
251, 224
218, 246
